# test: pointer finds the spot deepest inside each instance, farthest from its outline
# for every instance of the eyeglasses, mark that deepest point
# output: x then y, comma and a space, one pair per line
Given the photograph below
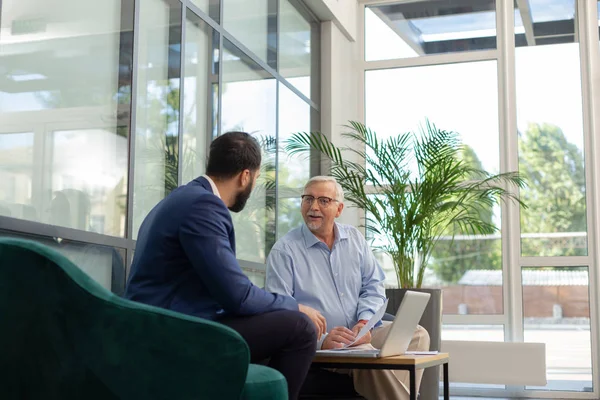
323, 200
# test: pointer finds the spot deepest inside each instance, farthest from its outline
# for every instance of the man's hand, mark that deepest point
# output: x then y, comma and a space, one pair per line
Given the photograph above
317, 318
337, 338
363, 340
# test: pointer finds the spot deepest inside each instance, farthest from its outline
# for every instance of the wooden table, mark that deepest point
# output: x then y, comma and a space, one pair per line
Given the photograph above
410, 363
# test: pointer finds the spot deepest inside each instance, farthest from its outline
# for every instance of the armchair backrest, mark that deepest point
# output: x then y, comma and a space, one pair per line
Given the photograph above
65, 336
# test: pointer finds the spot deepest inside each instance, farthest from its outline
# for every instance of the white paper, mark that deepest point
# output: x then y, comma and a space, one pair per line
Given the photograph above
367, 327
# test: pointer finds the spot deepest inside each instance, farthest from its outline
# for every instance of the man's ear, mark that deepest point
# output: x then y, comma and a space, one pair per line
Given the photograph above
339, 210
245, 178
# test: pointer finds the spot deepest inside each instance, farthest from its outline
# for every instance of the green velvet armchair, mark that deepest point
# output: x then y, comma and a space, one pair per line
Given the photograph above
64, 336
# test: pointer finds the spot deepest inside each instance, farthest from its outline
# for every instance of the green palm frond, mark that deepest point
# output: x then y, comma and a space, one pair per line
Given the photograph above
411, 210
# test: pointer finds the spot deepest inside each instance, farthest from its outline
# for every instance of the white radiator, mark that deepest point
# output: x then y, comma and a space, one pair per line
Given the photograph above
498, 363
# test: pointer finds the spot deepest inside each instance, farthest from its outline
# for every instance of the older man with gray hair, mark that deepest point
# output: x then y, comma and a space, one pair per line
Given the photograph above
330, 267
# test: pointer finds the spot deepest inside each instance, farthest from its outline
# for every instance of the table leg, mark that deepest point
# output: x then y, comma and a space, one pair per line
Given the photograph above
412, 383
446, 383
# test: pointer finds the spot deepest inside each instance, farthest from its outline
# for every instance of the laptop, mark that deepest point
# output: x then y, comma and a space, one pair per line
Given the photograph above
399, 335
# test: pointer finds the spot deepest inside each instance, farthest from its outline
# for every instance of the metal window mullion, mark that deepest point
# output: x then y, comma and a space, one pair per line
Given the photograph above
212, 125
277, 106
181, 95
512, 292
277, 162
590, 68
316, 70
510, 392
274, 4
278, 34
204, 16
253, 265
560, 261
220, 77
27, 227
212, 80
383, 2
133, 115
433, 59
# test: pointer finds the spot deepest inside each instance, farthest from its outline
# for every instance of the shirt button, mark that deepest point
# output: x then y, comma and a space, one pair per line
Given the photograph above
341, 294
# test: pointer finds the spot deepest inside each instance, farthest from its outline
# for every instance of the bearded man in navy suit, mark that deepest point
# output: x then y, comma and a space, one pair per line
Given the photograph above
185, 261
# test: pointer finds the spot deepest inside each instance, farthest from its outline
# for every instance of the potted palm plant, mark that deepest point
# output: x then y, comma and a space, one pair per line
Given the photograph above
414, 189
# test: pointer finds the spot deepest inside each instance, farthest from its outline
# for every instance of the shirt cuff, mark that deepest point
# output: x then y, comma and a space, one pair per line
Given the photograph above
368, 315
320, 342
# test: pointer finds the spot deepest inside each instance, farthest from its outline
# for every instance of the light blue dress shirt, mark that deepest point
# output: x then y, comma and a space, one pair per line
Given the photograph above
346, 283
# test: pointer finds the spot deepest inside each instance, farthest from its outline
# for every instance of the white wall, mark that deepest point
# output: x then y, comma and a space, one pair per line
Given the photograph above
342, 12
339, 91
339, 74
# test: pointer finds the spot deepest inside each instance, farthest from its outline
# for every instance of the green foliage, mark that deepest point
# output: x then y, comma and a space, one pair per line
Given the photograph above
412, 210
161, 107
556, 193
450, 259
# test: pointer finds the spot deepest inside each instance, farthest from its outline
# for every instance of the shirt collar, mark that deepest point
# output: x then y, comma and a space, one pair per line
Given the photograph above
213, 186
310, 239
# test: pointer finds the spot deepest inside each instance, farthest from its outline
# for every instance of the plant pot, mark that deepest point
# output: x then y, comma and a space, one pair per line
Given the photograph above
432, 322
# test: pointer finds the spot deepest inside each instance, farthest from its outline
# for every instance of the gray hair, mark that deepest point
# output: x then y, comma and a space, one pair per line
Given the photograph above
339, 192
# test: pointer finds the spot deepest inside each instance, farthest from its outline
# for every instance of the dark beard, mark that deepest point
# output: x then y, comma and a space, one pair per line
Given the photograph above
240, 199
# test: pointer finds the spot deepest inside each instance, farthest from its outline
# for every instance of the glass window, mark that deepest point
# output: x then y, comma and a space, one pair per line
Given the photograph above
550, 124
289, 215
61, 55
470, 272
254, 24
200, 95
556, 311
249, 105
104, 264
416, 29
463, 98
209, 7
292, 172
157, 124
295, 46
88, 181
16, 175
539, 22
64, 113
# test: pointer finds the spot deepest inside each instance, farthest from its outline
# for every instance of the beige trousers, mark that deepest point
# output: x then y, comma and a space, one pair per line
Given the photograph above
388, 384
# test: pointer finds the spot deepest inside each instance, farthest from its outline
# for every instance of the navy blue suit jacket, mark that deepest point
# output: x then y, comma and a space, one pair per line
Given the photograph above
185, 259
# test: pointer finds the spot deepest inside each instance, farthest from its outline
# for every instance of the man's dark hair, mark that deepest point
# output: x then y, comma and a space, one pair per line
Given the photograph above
231, 153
